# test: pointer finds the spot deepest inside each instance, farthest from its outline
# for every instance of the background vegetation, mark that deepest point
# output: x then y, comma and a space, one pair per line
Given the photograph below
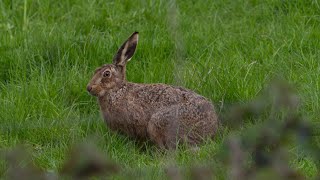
228, 51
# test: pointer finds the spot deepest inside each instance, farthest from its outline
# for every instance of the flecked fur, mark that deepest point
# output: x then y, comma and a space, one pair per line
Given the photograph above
161, 113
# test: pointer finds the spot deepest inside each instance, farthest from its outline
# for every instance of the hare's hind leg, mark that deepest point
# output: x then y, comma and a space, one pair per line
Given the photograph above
163, 127
188, 125
171, 125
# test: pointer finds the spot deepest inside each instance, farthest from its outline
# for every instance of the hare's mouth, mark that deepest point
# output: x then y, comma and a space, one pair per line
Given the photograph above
92, 91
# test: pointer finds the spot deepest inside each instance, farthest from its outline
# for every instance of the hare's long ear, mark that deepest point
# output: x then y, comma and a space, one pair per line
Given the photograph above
127, 50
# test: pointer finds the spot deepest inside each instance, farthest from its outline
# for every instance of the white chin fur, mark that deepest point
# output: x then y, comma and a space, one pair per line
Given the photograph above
101, 93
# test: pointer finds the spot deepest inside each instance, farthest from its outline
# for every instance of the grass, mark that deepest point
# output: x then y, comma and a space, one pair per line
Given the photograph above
228, 51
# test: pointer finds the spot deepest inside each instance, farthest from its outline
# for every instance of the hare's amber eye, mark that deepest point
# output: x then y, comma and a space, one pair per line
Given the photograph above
106, 74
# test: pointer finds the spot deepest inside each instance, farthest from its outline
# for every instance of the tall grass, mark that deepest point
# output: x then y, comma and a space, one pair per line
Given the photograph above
225, 50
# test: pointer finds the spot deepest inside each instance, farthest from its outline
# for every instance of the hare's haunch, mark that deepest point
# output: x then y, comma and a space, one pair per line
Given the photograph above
161, 113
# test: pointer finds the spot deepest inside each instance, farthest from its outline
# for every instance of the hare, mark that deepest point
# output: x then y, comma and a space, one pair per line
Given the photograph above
161, 113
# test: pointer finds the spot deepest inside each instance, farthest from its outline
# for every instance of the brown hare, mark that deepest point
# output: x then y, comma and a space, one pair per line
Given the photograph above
161, 113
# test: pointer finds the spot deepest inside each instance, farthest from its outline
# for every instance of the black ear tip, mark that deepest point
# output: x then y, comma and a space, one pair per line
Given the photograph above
135, 35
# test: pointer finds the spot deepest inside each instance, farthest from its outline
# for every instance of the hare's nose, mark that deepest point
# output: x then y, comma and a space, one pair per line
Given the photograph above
89, 88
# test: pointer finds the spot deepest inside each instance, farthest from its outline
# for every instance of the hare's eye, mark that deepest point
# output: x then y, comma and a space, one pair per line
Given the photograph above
106, 74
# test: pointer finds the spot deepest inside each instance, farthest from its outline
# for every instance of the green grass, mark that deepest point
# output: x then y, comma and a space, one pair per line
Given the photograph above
227, 51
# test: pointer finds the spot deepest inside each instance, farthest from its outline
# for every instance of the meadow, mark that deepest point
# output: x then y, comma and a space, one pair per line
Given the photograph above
226, 50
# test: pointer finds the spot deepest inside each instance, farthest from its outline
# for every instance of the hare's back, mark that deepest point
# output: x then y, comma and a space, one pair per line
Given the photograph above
164, 95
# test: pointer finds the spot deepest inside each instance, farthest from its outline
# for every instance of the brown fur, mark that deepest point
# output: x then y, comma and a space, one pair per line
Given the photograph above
161, 113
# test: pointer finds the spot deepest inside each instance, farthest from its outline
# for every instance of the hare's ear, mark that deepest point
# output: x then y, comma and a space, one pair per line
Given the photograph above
127, 50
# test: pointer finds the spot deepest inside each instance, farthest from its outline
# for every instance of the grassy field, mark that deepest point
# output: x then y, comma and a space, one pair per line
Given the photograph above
228, 51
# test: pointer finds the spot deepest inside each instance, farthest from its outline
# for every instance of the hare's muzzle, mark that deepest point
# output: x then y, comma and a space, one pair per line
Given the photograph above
89, 88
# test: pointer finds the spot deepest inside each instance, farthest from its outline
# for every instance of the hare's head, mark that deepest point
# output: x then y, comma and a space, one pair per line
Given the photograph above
113, 75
